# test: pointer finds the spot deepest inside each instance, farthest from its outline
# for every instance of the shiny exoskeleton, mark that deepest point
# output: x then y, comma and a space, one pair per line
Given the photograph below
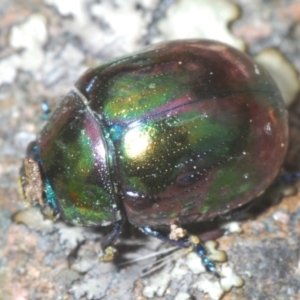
179, 133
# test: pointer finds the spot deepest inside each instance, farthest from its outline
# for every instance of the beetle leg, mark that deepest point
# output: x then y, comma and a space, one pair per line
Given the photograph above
189, 241
289, 177
110, 238
106, 243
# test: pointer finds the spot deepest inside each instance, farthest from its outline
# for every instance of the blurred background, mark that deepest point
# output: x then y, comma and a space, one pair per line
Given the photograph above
44, 47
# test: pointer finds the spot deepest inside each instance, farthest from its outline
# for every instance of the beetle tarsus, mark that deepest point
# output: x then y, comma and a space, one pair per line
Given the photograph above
290, 178
182, 243
209, 265
188, 241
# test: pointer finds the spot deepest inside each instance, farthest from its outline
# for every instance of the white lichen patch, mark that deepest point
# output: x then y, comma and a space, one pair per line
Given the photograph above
229, 279
127, 25
67, 61
216, 288
84, 265
213, 253
28, 39
8, 69
180, 270
201, 19
122, 24
31, 34
77, 10
209, 284
149, 291
32, 217
69, 236
99, 277
91, 288
194, 263
233, 227
157, 284
282, 72
210, 287
183, 296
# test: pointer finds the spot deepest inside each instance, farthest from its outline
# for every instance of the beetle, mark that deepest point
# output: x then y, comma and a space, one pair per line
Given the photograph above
179, 133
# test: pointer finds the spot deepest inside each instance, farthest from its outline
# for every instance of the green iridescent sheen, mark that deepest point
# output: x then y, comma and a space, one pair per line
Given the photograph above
234, 180
131, 98
173, 141
69, 159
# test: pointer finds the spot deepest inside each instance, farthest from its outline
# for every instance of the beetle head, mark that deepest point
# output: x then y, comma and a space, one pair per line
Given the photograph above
36, 189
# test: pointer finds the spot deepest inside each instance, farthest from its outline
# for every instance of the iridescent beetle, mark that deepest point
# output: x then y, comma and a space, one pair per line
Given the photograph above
179, 133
